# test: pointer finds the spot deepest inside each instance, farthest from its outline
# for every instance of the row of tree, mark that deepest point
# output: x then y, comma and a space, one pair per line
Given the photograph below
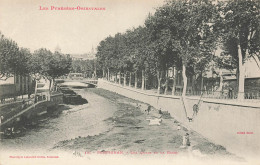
87, 67
185, 34
42, 63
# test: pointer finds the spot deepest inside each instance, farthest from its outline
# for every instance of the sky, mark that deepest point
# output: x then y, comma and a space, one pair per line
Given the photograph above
75, 32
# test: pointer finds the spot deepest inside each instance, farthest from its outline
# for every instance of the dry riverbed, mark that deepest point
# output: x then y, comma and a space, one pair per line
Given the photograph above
131, 133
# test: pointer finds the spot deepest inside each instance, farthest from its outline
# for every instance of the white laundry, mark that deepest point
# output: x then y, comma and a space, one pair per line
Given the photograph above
155, 121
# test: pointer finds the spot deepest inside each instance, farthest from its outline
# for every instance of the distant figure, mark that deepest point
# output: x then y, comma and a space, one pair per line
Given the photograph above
230, 93
195, 109
23, 104
1, 118
148, 109
160, 111
138, 106
190, 119
179, 127
186, 140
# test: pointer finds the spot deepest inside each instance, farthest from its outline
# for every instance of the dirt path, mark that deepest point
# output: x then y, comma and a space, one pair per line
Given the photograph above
131, 133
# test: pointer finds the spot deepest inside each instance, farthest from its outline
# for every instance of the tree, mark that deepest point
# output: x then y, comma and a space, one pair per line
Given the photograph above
119, 54
178, 35
50, 65
25, 56
84, 66
58, 65
141, 53
106, 55
13, 60
163, 56
239, 27
188, 28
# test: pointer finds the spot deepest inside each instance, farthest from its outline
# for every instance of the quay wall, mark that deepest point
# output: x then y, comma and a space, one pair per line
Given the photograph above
221, 121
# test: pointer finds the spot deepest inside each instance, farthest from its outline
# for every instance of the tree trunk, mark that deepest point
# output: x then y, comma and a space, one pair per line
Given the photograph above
237, 79
201, 85
28, 87
220, 81
49, 95
145, 83
166, 82
241, 84
14, 88
135, 79
95, 71
35, 90
193, 84
50, 84
119, 78
108, 75
159, 82
184, 80
103, 75
143, 76
174, 80
130, 78
124, 79
116, 78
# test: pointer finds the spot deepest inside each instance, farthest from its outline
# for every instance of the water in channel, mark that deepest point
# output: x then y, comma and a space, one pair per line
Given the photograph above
79, 120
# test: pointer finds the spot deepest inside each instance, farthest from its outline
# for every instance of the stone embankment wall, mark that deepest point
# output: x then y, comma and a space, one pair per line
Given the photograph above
232, 124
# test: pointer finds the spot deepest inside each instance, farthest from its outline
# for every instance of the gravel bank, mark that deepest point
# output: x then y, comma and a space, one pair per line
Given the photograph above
131, 134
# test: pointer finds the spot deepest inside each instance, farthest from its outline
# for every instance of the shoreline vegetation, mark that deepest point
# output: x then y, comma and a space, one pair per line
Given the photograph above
130, 133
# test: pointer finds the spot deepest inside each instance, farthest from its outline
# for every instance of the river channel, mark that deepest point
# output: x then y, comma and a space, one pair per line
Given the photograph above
73, 122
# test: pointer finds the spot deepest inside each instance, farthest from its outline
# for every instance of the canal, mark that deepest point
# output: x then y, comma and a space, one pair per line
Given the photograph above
110, 122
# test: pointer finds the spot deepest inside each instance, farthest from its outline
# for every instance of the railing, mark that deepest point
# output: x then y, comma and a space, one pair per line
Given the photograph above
91, 81
8, 112
86, 80
14, 98
223, 94
40, 97
11, 112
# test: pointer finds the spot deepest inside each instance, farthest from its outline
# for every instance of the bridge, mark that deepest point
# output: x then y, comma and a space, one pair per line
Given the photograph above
90, 83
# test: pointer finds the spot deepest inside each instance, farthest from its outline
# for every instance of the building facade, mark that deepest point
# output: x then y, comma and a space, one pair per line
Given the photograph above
16, 86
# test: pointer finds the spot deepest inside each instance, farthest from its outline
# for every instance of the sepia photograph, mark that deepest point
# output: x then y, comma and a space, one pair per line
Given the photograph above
130, 82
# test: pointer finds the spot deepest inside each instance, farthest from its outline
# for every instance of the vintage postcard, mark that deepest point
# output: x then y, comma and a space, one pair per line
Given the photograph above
130, 82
